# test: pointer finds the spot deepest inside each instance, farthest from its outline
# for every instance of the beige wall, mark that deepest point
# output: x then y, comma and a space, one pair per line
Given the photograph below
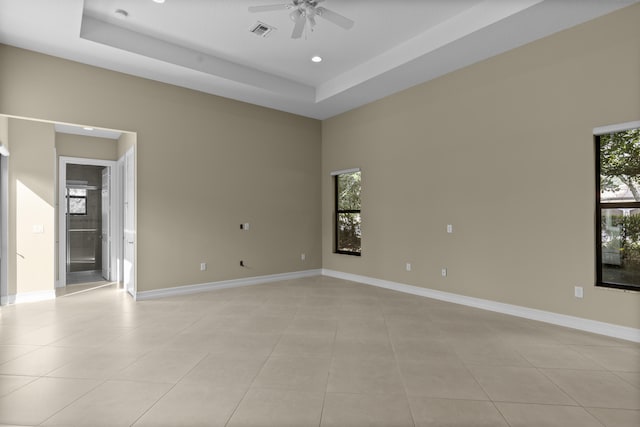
126, 141
4, 131
86, 147
503, 151
205, 164
31, 204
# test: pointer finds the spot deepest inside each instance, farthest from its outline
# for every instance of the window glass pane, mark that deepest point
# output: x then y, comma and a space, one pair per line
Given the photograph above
620, 167
349, 232
620, 240
77, 206
349, 191
81, 192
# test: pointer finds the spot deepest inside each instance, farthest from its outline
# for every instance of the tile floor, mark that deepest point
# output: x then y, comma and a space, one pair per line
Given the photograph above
311, 352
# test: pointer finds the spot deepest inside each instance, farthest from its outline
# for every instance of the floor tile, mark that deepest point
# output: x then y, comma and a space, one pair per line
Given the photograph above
362, 328
252, 354
356, 410
305, 345
408, 326
616, 417
599, 389
40, 362
363, 348
203, 404
524, 385
91, 337
10, 383
373, 376
282, 408
51, 395
161, 366
487, 352
44, 336
624, 359
225, 371
632, 378
528, 415
411, 348
9, 352
429, 412
442, 379
557, 356
312, 325
95, 365
267, 324
259, 345
294, 373
113, 403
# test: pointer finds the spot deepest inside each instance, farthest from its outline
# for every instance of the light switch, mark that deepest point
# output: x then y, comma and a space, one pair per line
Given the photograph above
578, 292
37, 229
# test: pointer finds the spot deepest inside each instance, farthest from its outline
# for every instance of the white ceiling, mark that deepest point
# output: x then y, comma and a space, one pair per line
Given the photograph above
206, 45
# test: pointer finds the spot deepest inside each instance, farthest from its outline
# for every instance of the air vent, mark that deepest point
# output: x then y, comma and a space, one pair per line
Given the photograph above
261, 29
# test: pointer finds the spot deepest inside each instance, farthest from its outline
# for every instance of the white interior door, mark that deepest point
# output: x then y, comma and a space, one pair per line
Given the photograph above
106, 232
129, 234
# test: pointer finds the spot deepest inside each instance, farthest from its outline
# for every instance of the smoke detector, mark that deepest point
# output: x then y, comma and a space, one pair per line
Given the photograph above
261, 29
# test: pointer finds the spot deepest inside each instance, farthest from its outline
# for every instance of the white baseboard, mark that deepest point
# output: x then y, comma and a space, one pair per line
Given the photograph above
234, 283
31, 297
602, 328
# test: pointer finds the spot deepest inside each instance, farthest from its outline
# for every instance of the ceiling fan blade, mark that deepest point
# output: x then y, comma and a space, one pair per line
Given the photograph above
335, 18
269, 7
299, 26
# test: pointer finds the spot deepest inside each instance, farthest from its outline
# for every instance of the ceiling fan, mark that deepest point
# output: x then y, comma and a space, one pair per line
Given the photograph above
303, 11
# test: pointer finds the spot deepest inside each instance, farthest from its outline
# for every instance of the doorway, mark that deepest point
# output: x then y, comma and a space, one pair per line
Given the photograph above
87, 221
88, 208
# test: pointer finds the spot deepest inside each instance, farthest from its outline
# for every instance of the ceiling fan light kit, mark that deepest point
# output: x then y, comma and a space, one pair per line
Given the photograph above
303, 11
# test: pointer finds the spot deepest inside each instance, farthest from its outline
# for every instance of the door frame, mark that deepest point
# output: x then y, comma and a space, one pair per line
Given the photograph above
62, 219
128, 197
4, 227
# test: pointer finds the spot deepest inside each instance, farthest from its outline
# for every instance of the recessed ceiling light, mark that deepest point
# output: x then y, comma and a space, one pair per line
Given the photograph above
87, 128
316, 59
121, 13
159, 1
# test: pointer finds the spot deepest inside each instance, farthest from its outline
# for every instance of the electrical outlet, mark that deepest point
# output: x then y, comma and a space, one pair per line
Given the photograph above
449, 228
303, 256
578, 292
246, 226
408, 266
203, 266
444, 272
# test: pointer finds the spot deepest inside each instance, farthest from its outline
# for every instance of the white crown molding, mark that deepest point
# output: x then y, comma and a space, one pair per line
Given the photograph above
602, 328
224, 284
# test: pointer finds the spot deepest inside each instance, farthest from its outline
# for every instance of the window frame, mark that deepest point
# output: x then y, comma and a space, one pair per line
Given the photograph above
70, 197
599, 206
338, 211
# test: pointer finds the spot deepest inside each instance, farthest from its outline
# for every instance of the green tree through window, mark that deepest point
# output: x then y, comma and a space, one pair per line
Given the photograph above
348, 231
618, 209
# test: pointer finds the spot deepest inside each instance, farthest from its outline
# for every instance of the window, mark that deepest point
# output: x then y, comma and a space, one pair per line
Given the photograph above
618, 209
347, 219
77, 201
